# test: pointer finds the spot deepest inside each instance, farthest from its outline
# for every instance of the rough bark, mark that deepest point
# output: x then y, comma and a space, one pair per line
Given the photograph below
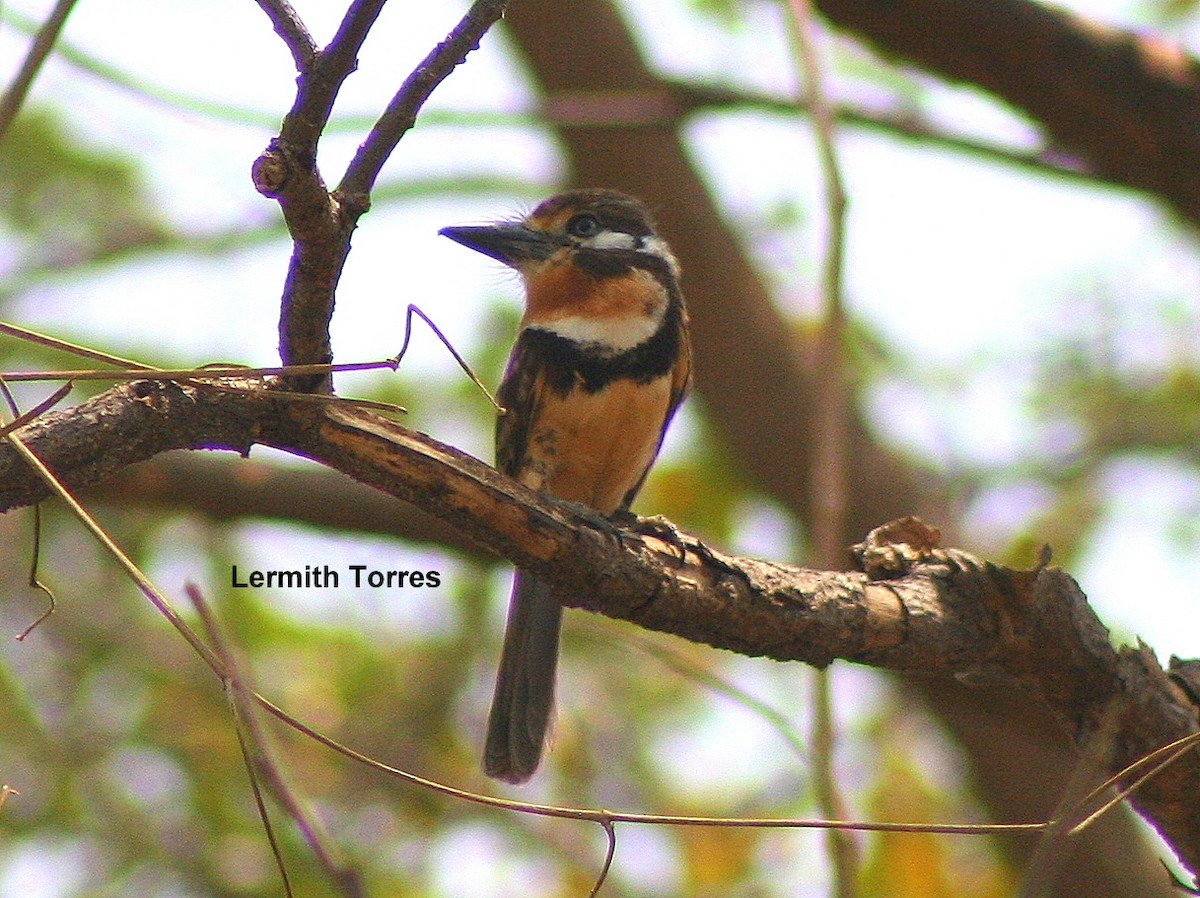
919, 609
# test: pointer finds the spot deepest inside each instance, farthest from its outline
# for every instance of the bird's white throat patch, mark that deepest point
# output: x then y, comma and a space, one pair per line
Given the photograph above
610, 334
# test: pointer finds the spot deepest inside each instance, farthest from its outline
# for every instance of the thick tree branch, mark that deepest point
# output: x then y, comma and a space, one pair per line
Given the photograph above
1121, 102
941, 612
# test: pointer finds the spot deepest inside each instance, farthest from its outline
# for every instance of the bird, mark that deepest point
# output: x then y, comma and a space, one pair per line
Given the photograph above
601, 362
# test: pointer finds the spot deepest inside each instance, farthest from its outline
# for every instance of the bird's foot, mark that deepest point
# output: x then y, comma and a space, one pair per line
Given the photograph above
659, 528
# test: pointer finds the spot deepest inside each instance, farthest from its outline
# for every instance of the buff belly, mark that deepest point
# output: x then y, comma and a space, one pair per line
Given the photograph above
593, 448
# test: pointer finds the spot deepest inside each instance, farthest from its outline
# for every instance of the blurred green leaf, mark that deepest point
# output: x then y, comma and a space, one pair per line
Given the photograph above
71, 201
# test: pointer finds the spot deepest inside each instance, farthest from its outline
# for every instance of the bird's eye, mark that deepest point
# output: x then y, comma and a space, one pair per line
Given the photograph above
583, 225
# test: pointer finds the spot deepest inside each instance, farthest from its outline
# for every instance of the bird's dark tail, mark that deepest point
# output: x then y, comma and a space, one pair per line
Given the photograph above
524, 693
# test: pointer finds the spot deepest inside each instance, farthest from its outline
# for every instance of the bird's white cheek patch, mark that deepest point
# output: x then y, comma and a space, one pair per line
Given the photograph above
611, 240
656, 246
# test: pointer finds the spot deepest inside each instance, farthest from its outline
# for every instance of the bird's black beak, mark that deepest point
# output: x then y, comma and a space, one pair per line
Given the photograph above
512, 244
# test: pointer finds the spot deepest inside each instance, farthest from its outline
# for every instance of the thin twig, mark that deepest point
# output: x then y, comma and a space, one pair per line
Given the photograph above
95, 355
840, 848
213, 372
290, 27
131, 570
35, 554
194, 376
600, 816
610, 832
137, 371
1051, 851
256, 748
35, 580
25, 417
401, 112
260, 802
462, 363
232, 680
14, 97
678, 662
130, 370
1156, 761
321, 82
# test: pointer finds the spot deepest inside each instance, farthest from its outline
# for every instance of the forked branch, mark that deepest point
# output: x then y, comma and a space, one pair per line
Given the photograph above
320, 222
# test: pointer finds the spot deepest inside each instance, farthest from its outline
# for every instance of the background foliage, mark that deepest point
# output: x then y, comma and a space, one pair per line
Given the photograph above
1024, 342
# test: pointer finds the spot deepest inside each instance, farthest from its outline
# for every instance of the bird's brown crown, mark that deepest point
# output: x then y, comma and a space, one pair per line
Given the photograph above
581, 214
